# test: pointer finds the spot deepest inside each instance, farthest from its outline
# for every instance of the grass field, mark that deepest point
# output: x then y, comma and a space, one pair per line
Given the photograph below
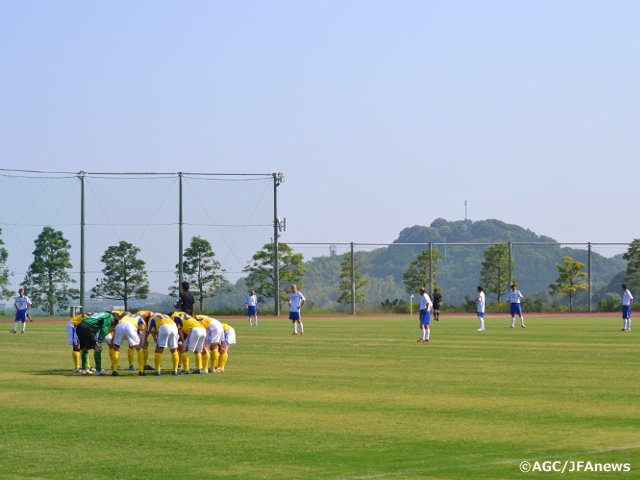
355, 398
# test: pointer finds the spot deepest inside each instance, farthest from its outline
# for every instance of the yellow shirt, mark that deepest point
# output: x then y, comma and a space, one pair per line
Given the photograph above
157, 320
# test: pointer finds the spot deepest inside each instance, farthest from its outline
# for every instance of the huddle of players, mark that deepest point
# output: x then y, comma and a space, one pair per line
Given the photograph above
205, 337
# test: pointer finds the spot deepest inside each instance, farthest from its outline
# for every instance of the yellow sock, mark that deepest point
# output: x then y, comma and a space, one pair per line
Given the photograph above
130, 355
76, 359
184, 358
206, 356
223, 361
146, 356
157, 360
215, 359
198, 357
141, 362
115, 357
175, 360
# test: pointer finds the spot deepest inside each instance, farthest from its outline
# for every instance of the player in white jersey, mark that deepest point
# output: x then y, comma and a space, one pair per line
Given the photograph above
515, 307
251, 303
296, 302
22, 305
627, 299
480, 307
425, 315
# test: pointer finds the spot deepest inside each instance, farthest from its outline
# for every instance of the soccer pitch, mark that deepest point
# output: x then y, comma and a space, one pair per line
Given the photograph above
355, 398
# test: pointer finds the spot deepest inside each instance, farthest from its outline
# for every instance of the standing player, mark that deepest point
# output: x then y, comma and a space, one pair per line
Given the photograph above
165, 333
186, 300
627, 299
514, 297
437, 301
22, 305
480, 307
296, 302
425, 315
252, 306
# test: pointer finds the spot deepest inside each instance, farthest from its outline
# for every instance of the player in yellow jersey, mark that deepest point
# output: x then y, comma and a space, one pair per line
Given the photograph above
134, 329
165, 333
192, 334
219, 337
206, 320
74, 341
146, 314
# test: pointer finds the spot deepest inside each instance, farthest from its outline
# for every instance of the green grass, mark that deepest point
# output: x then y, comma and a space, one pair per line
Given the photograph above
355, 398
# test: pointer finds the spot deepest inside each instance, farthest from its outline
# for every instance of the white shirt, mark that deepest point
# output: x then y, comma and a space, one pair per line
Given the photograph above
252, 300
22, 303
626, 298
514, 296
480, 302
425, 302
295, 300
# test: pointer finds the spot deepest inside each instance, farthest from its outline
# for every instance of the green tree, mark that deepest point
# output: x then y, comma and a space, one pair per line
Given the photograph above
124, 275
5, 274
417, 275
570, 279
345, 282
632, 256
495, 274
47, 281
201, 270
261, 274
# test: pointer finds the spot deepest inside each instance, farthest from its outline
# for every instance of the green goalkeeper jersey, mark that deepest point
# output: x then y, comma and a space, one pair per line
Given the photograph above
100, 323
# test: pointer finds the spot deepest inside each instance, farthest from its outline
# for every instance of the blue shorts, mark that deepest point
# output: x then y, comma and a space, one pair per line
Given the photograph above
516, 309
294, 316
21, 316
425, 317
626, 311
252, 310
480, 314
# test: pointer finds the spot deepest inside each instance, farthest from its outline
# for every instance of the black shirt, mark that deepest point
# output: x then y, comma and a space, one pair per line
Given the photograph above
187, 301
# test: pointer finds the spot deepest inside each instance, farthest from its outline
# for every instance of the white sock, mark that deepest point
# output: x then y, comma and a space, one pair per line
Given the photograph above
482, 324
513, 321
428, 331
522, 321
301, 328
15, 326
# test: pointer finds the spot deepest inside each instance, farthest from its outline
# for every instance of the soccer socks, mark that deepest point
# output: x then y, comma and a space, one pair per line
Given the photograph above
141, 361
75, 355
206, 357
85, 358
198, 358
481, 323
175, 360
215, 359
115, 357
97, 356
157, 361
184, 358
223, 361
427, 332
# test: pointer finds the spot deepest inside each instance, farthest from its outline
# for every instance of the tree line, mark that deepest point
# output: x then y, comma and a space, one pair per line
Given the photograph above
124, 276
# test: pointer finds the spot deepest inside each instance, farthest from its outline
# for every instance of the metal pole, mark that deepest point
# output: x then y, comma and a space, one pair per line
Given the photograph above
353, 281
431, 268
510, 264
81, 175
180, 224
276, 259
589, 275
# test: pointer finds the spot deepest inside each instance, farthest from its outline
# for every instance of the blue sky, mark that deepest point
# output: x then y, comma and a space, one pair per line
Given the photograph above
381, 114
